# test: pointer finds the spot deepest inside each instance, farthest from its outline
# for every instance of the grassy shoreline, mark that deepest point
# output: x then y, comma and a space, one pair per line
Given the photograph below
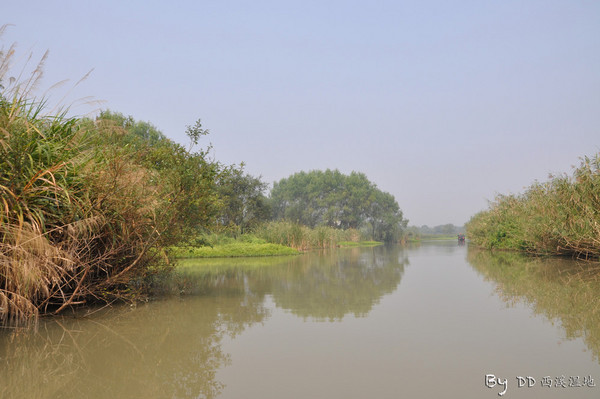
360, 244
252, 248
435, 237
232, 250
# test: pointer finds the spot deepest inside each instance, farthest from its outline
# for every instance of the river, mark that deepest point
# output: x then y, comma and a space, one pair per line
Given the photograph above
433, 320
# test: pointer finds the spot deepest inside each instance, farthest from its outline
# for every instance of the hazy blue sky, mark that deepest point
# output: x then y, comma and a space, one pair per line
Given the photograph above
441, 103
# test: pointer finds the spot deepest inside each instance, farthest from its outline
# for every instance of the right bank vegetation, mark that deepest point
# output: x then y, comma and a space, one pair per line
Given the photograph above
558, 217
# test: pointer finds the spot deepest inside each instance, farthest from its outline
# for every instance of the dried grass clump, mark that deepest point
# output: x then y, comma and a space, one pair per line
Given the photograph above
31, 269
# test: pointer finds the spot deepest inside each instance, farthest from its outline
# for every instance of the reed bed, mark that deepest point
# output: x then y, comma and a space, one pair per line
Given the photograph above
302, 237
558, 217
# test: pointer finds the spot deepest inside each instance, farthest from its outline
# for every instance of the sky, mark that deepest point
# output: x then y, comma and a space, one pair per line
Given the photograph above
443, 104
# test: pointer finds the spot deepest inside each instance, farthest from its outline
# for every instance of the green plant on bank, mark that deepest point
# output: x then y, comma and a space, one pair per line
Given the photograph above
558, 217
232, 250
215, 245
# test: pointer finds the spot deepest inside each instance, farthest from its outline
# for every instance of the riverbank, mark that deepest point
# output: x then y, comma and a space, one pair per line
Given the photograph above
88, 205
249, 245
434, 237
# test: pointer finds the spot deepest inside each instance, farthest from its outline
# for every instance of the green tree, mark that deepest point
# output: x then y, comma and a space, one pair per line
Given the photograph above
385, 217
341, 201
244, 204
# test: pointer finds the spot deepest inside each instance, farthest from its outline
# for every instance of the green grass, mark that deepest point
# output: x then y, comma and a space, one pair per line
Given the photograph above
346, 244
439, 237
232, 250
216, 266
433, 237
247, 245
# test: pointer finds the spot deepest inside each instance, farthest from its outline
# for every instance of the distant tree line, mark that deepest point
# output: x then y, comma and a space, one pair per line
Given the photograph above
442, 229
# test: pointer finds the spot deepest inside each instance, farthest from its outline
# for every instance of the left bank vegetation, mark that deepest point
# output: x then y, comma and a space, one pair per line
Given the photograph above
92, 210
87, 206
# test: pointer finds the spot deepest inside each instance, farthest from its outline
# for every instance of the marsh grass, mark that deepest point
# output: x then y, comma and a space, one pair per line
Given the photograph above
269, 239
558, 217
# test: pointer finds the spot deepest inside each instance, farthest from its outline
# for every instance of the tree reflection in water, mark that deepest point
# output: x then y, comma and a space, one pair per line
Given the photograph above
171, 348
329, 286
324, 285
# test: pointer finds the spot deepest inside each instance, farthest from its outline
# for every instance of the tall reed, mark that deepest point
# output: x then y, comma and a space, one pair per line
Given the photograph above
558, 217
302, 237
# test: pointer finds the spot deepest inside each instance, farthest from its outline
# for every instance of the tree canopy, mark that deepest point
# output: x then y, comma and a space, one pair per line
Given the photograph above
244, 204
341, 201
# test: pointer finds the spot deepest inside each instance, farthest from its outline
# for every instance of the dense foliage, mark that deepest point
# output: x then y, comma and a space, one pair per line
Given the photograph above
560, 216
330, 198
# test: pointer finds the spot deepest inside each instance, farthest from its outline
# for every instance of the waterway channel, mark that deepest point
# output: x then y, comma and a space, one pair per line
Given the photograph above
435, 320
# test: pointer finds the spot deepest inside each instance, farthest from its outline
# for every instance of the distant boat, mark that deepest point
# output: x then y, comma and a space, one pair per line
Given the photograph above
461, 238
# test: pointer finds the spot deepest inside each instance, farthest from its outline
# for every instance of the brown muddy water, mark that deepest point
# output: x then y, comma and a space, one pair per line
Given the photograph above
430, 321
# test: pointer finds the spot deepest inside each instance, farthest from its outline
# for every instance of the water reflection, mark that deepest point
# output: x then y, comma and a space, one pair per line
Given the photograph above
172, 347
168, 349
323, 285
332, 285
560, 289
